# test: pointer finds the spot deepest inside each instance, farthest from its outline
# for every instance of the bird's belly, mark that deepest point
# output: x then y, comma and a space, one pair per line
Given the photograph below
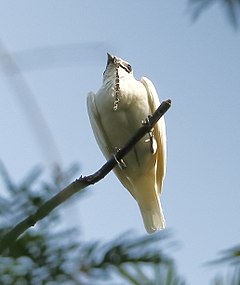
120, 126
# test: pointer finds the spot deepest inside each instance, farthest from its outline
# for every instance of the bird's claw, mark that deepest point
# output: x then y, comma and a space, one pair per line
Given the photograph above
151, 136
121, 162
146, 122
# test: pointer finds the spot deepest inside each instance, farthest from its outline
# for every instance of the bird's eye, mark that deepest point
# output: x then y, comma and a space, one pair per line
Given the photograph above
126, 66
129, 68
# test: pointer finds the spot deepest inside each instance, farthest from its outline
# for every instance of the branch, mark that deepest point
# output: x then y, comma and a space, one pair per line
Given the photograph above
9, 238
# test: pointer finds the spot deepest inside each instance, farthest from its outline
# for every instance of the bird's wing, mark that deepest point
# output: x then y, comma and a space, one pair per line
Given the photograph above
97, 127
102, 138
159, 132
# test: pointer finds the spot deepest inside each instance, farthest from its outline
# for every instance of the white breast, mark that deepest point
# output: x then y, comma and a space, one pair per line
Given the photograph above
120, 125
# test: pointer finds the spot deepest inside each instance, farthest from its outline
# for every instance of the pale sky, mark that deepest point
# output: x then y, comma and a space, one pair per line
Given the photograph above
197, 65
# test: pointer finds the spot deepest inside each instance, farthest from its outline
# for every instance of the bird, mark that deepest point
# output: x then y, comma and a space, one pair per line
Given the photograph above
116, 112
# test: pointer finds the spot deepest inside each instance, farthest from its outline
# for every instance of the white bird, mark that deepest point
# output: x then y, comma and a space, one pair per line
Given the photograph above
116, 112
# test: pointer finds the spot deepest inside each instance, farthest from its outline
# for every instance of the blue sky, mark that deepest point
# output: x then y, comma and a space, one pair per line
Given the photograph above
197, 65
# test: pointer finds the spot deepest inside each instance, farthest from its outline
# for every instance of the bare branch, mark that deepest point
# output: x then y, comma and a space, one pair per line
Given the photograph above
81, 183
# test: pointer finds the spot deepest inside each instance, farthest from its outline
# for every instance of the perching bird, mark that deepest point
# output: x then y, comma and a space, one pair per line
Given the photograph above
116, 112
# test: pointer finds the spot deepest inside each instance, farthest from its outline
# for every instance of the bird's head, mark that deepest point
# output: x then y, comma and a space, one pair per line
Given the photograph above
113, 63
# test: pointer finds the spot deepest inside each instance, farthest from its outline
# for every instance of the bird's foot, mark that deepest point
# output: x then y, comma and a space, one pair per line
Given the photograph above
121, 162
147, 121
150, 134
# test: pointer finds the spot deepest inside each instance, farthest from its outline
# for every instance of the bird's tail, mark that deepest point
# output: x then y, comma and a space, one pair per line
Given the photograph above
153, 217
150, 207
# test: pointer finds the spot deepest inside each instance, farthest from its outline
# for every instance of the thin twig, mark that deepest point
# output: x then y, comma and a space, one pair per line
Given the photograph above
81, 183
128, 276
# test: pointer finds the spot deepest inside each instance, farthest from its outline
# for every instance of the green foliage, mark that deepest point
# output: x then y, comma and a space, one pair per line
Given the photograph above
232, 278
38, 256
138, 260
231, 7
44, 255
232, 257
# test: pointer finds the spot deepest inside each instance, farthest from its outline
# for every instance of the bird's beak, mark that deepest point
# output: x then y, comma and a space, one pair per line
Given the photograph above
110, 58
